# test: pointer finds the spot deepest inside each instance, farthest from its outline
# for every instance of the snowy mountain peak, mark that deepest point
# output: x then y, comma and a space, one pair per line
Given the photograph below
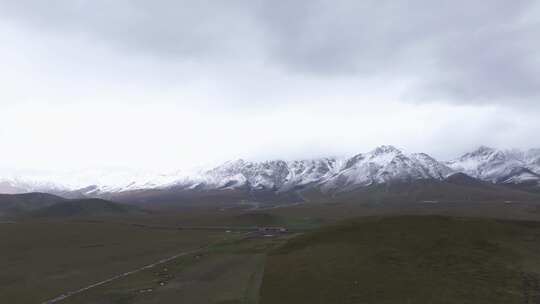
483, 152
237, 163
381, 165
498, 166
385, 149
380, 156
533, 157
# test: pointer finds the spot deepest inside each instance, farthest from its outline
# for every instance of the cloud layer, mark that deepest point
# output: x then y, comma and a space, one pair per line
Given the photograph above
456, 51
285, 77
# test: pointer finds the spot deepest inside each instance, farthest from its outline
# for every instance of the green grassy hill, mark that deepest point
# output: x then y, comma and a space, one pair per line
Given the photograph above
16, 204
408, 259
85, 208
457, 188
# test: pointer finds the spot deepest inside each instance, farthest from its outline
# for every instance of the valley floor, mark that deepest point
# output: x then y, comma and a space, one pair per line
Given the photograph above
42, 260
408, 259
332, 253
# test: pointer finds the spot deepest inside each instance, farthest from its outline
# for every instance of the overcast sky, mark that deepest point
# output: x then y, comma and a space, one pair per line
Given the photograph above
170, 84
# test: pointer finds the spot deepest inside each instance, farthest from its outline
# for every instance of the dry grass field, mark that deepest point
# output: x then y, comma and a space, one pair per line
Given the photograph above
448, 247
41, 260
408, 259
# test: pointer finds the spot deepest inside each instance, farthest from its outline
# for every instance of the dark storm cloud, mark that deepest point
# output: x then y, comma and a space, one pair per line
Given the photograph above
460, 51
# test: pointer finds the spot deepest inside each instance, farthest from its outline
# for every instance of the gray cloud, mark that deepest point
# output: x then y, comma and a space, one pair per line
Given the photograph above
181, 29
460, 51
477, 52
175, 83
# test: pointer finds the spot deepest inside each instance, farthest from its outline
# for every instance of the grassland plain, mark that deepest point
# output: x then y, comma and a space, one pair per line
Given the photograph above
41, 260
227, 272
408, 259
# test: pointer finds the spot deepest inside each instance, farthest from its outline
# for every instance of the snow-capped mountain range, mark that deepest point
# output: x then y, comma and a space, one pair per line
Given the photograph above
500, 166
382, 165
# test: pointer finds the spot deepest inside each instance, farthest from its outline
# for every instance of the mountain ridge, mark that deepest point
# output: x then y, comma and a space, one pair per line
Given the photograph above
329, 174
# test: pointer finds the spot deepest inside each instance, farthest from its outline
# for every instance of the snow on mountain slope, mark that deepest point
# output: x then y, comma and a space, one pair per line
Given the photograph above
532, 158
7, 188
308, 172
432, 167
270, 175
499, 166
93, 182
30, 182
386, 163
382, 165
240, 173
